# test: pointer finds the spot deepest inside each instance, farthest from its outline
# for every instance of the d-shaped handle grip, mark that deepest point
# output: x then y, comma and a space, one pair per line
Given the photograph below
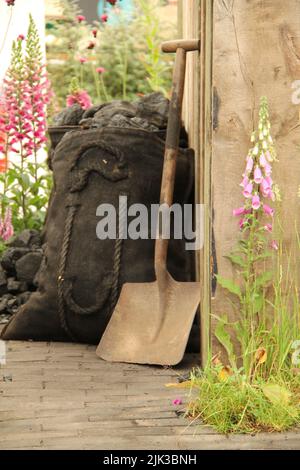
186, 44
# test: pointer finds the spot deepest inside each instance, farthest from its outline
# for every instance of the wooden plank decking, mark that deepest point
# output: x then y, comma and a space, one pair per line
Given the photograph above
61, 396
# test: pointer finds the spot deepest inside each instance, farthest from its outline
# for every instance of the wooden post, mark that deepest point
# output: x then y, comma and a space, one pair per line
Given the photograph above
204, 174
195, 21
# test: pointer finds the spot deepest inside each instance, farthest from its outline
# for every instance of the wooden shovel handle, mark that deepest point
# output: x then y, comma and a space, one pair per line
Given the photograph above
172, 142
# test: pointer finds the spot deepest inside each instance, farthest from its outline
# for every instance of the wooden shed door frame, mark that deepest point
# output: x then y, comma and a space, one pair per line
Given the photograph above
195, 19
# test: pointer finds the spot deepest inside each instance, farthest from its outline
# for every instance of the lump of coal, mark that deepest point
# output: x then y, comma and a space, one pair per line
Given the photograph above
69, 116
154, 108
27, 239
28, 265
10, 258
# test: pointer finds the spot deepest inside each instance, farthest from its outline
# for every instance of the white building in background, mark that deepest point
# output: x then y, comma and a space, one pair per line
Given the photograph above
18, 24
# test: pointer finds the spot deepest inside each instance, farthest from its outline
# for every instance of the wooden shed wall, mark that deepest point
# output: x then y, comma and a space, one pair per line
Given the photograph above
256, 52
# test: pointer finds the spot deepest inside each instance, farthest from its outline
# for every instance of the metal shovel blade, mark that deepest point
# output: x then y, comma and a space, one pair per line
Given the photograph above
149, 326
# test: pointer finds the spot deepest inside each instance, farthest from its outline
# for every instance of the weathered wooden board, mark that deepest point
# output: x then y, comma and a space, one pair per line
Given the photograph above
256, 53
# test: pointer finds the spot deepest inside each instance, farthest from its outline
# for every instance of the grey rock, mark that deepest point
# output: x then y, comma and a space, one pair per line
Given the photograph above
12, 305
3, 282
28, 265
27, 239
13, 285
23, 298
69, 116
4, 301
11, 256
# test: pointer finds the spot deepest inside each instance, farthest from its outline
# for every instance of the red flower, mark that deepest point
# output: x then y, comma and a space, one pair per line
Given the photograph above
82, 60
100, 70
104, 18
94, 32
21, 37
91, 45
10, 3
112, 2
80, 18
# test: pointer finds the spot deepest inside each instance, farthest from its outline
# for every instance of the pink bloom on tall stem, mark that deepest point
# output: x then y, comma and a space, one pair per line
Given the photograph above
104, 18
91, 45
94, 32
258, 177
239, 211
248, 191
82, 60
10, 3
6, 227
21, 37
256, 202
274, 245
268, 170
268, 210
269, 228
80, 97
245, 182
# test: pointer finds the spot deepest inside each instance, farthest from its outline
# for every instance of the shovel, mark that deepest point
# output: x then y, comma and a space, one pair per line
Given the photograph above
152, 321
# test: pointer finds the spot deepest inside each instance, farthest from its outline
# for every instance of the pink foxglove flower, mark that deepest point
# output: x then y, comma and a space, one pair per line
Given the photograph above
245, 182
268, 169
238, 212
256, 202
80, 97
274, 245
269, 228
6, 227
258, 177
248, 191
268, 210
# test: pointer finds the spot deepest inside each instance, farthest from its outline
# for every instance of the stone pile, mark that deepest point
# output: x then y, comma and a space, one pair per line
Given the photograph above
19, 265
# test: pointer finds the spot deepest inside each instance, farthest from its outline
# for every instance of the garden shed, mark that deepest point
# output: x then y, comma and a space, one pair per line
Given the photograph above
248, 50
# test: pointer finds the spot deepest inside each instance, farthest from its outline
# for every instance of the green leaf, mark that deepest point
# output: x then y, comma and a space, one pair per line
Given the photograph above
236, 259
277, 394
264, 279
258, 303
229, 285
224, 338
